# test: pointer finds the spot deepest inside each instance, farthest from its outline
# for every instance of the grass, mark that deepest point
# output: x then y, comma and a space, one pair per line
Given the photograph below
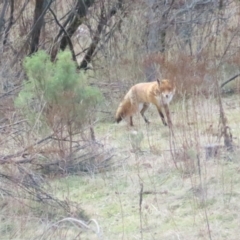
197, 200
177, 203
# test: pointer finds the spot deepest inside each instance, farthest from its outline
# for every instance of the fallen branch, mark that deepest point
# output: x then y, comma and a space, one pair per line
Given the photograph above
77, 223
229, 80
6, 158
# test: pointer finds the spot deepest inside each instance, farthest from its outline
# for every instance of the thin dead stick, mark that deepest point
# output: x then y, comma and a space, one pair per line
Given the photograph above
10, 125
204, 198
229, 80
172, 146
19, 153
78, 223
140, 208
7, 93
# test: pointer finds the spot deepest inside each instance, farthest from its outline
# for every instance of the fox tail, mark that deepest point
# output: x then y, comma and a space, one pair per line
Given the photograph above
119, 114
122, 110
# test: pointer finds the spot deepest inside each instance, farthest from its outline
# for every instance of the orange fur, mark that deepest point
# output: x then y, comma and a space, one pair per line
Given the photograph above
139, 97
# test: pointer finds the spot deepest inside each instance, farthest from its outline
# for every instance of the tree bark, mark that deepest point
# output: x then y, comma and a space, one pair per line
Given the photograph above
157, 24
74, 20
102, 22
82, 6
37, 25
10, 22
63, 29
87, 58
2, 20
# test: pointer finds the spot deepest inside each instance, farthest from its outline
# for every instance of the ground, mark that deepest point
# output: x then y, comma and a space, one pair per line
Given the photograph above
159, 185
184, 195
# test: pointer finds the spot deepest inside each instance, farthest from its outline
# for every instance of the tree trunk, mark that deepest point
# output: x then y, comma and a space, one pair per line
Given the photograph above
156, 33
2, 20
74, 20
81, 9
104, 18
10, 22
37, 25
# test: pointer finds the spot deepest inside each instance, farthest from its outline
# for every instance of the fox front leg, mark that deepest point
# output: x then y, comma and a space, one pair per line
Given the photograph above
166, 108
131, 121
161, 115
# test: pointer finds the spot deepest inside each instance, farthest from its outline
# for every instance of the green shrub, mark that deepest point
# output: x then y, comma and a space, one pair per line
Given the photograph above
55, 94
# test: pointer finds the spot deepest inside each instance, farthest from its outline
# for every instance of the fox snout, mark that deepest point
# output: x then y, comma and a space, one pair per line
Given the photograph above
167, 97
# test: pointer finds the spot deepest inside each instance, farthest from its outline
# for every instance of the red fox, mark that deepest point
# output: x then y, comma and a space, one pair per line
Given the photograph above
139, 97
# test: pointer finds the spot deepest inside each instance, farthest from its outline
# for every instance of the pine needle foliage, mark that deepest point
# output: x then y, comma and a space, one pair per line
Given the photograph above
55, 94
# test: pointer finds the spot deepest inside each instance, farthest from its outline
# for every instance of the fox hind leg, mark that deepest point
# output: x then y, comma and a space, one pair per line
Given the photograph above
144, 108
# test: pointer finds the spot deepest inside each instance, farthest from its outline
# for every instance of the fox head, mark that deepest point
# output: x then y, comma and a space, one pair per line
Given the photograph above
166, 89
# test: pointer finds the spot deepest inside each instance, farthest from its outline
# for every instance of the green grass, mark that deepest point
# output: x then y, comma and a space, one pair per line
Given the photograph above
177, 203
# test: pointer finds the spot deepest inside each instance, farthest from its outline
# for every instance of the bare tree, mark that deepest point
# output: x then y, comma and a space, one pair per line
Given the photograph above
39, 12
71, 24
177, 22
2, 16
75, 19
104, 18
157, 25
10, 23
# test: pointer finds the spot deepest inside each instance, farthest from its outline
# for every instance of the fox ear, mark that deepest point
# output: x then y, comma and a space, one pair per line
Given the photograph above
159, 82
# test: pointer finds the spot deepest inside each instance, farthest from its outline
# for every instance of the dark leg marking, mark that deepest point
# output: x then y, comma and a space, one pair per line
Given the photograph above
162, 117
131, 121
168, 115
145, 107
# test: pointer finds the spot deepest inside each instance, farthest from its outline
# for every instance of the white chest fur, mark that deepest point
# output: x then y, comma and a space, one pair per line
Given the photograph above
164, 98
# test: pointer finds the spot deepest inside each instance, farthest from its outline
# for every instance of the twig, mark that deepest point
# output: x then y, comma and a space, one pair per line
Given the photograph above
7, 93
230, 79
204, 199
10, 125
140, 208
6, 158
78, 223
153, 192
66, 34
